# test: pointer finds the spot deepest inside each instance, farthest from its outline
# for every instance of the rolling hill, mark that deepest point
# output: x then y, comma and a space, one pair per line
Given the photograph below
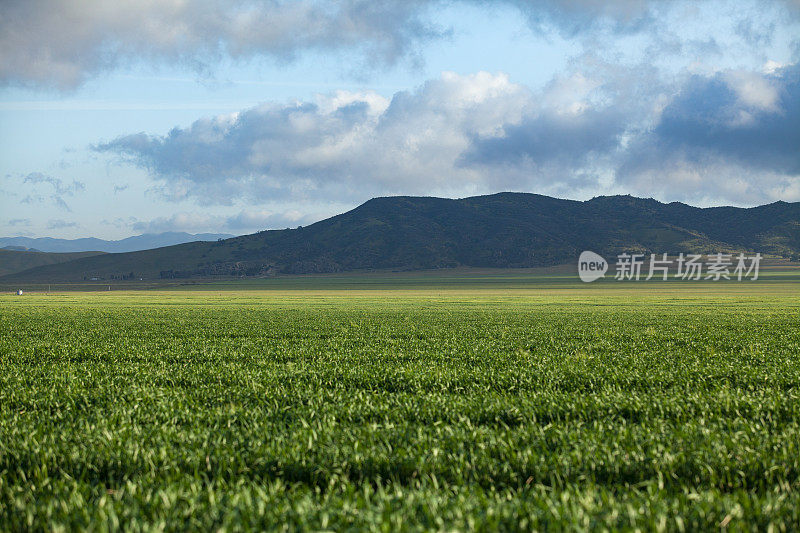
12, 261
504, 230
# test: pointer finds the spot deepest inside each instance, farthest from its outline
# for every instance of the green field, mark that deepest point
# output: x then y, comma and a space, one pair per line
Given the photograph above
513, 404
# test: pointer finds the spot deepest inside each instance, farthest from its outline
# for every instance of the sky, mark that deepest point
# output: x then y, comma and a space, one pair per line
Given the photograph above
136, 116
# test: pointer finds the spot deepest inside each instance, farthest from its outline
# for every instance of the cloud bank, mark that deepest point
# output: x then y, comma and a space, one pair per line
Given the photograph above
61, 43
731, 136
245, 221
734, 134
349, 145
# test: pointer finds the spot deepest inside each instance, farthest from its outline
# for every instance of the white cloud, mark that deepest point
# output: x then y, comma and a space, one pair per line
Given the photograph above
754, 90
584, 133
245, 221
771, 66
341, 147
61, 42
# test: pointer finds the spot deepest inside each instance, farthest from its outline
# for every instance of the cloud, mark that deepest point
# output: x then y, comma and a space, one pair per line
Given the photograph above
245, 221
60, 43
579, 17
57, 184
177, 222
19, 222
573, 17
729, 136
59, 190
344, 146
120, 222
756, 33
733, 134
120, 188
455, 135
551, 141
57, 201
263, 219
568, 134
60, 224
60, 203
32, 199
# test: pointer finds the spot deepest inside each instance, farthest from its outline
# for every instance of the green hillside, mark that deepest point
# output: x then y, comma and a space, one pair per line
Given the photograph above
12, 261
506, 230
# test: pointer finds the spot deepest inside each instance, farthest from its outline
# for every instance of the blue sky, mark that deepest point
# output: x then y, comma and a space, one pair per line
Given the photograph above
131, 117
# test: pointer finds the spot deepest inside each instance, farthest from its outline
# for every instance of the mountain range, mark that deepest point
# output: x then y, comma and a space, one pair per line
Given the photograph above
131, 244
504, 230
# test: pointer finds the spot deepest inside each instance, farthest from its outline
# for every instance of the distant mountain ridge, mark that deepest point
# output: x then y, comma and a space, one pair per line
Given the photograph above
91, 244
504, 230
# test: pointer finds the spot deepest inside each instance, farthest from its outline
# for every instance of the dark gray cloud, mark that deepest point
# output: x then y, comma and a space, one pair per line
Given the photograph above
568, 140
753, 119
573, 17
734, 134
579, 17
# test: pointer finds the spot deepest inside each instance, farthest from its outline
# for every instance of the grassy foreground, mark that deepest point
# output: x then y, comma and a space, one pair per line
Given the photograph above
659, 406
